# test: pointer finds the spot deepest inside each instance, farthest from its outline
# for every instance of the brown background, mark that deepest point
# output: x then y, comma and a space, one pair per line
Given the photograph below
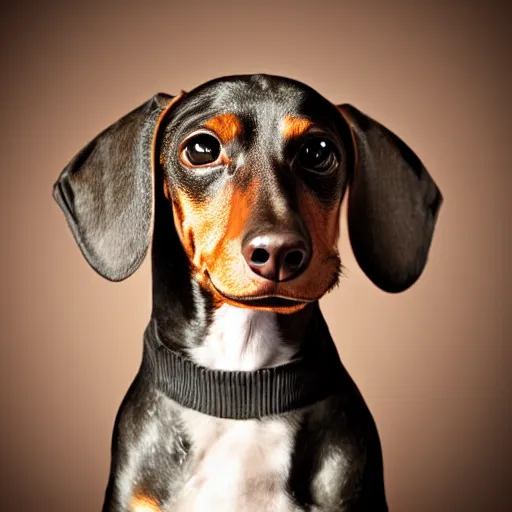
432, 363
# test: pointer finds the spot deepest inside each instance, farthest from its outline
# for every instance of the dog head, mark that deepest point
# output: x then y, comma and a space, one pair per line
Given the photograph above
255, 169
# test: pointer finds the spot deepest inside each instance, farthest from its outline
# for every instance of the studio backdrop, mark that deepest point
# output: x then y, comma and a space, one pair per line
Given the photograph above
432, 363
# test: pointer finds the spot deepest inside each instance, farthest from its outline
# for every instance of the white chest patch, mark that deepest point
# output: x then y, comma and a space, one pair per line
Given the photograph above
238, 465
243, 339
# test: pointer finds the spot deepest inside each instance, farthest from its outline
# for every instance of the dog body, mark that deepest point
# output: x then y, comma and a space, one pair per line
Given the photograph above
238, 184
316, 458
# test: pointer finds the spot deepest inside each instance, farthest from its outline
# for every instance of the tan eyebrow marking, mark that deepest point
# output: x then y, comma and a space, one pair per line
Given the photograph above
226, 126
295, 126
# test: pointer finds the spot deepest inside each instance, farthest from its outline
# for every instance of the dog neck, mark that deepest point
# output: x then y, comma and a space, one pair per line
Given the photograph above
245, 339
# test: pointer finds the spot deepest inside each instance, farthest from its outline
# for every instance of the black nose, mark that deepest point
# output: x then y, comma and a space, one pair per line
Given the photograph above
277, 256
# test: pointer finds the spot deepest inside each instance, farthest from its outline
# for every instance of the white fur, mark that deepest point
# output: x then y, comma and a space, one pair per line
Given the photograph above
243, 339
238, 465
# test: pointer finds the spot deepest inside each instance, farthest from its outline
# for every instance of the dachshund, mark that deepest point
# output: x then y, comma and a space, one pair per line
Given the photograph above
241, 402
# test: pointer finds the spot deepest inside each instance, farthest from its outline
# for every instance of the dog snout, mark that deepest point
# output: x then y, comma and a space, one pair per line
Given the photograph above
277, 256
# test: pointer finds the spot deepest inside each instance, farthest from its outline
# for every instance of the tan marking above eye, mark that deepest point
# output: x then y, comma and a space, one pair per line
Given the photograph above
225, 126
295, 126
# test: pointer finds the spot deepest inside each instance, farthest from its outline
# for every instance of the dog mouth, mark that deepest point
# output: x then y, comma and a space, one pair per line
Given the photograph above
264, 301
269, 302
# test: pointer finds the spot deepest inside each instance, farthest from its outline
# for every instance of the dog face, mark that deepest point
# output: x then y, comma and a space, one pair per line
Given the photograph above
255, 177
254, 169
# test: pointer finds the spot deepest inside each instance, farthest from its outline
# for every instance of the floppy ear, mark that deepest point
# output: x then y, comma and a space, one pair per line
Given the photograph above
106, 191
392, 206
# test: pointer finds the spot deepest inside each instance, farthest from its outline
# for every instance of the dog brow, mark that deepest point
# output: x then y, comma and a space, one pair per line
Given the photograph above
226, 126
295, 126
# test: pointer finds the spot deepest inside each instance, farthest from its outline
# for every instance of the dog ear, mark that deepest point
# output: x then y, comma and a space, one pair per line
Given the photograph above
392, 206
106, 191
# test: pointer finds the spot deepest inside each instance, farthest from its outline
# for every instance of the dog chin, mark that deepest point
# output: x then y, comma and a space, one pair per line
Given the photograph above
266, 300
270, 304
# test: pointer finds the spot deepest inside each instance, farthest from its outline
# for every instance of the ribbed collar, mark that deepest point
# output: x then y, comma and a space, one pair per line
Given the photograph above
243, 395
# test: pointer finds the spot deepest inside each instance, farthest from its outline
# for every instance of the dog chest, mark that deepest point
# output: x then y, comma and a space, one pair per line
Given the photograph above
236, 465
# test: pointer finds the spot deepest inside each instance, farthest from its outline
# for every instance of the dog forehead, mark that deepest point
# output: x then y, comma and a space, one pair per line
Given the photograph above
258, 99
243, 91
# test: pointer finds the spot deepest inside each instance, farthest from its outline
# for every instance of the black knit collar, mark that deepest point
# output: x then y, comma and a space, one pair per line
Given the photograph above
243, 395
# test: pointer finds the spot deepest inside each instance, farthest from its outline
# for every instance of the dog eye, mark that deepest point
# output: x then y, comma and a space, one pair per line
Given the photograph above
317, 155
202, 149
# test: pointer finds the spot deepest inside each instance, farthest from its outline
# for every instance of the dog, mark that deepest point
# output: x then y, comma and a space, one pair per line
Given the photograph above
241, 402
